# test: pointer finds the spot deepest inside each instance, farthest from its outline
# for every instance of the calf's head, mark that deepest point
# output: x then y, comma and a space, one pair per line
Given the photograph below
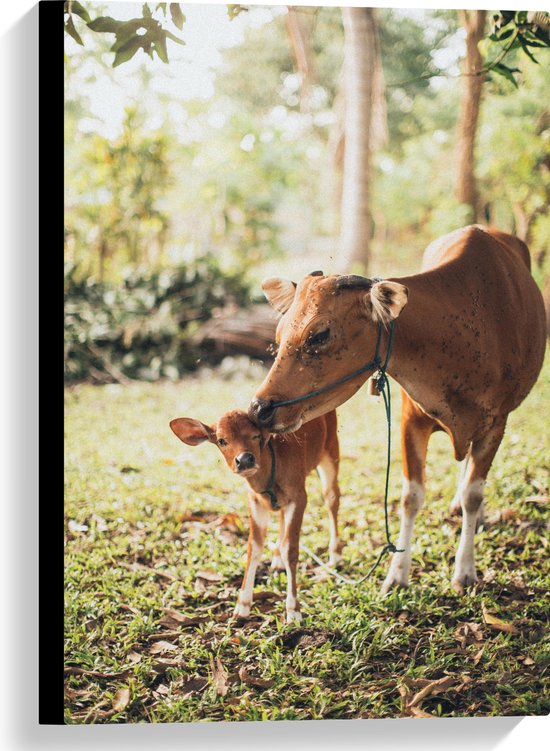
236, 436
328, 329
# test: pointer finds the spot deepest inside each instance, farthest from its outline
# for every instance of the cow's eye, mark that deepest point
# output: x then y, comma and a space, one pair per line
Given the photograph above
318, 339
256, 437
222, 442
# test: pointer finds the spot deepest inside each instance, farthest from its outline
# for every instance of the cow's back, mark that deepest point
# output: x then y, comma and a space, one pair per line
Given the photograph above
484, 282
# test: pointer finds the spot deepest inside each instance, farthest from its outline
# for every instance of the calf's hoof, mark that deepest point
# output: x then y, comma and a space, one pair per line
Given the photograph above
334, 559
277, 563
241, 611
293, 616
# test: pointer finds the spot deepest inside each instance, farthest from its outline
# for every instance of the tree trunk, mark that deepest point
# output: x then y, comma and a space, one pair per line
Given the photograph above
466, 188
362, 78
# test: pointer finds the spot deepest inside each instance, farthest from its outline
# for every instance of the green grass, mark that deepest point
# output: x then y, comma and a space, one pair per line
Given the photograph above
144, 514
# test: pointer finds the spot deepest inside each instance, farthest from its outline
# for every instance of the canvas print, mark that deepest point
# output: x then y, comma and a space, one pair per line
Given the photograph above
307, 285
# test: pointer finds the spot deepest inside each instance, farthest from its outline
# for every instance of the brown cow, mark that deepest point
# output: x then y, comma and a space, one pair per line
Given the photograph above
468, 347
275, 468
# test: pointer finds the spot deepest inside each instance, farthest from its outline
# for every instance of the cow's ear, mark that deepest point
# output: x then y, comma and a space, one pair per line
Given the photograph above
192, 432
386, 300
279, 293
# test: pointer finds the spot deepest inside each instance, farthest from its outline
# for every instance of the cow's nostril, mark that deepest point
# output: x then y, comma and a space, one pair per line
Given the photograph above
262, 412
246, 460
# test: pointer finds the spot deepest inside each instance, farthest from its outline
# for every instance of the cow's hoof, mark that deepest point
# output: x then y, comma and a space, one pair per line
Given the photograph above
393, 582
461, 584
241, 611
277, 563
293, 616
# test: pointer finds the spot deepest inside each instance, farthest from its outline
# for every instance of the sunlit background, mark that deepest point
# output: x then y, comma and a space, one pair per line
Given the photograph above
188, 182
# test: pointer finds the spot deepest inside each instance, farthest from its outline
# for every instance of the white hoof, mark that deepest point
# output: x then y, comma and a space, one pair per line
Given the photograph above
277, 563
241, 611
334, 559
394, 581
293, 616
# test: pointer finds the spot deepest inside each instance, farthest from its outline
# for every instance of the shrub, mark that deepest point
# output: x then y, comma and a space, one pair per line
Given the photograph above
143, 328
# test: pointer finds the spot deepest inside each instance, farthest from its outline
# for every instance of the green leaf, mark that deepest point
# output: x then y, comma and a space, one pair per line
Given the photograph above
177, 16
234, 10
71, 31
174, 38
505, 35
162, 7
105, 24
160, 48
79, 10
504, 70
526, 50
128, 50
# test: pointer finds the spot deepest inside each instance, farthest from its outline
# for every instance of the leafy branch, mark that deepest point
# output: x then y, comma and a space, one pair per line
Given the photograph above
523, 29
146, 33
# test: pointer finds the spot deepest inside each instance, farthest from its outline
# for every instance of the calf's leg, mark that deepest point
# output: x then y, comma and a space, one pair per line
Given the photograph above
294, 513
328, 473
258, 516
277, 562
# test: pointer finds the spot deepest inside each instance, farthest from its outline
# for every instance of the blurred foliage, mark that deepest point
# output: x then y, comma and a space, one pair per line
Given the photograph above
117, 197
143, 328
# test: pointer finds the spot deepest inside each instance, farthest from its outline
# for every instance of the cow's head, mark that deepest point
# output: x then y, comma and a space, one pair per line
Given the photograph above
236, 436
328, 329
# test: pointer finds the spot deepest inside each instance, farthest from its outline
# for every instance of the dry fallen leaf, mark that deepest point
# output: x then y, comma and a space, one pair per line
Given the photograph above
73, 670
250, 680
538, 499
219, 676
210, 576
161, 647
478, 655
193, 686
468, 633
121, 699
433, 687
496, 623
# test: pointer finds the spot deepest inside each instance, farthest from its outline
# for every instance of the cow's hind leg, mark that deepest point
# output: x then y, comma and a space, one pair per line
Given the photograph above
481, 457
416, 429
456, 503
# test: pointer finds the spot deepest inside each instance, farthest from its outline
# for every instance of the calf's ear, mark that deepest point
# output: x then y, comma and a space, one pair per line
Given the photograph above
385, 301
192, 432
279, 293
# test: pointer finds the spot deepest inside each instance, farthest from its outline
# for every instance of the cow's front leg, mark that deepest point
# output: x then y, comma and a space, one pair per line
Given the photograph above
294, 513
416, 429
258, 516
482, 454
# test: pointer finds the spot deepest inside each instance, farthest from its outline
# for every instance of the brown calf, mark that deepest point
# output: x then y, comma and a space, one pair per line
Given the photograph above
469, 344
251, 453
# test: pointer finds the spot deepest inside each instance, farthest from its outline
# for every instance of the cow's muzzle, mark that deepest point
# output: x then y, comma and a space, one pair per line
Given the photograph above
262, 412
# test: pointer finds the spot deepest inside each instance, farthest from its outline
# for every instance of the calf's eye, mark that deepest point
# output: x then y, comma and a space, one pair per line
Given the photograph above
222, 442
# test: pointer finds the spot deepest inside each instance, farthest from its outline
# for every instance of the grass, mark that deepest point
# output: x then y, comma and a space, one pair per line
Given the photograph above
145, 515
